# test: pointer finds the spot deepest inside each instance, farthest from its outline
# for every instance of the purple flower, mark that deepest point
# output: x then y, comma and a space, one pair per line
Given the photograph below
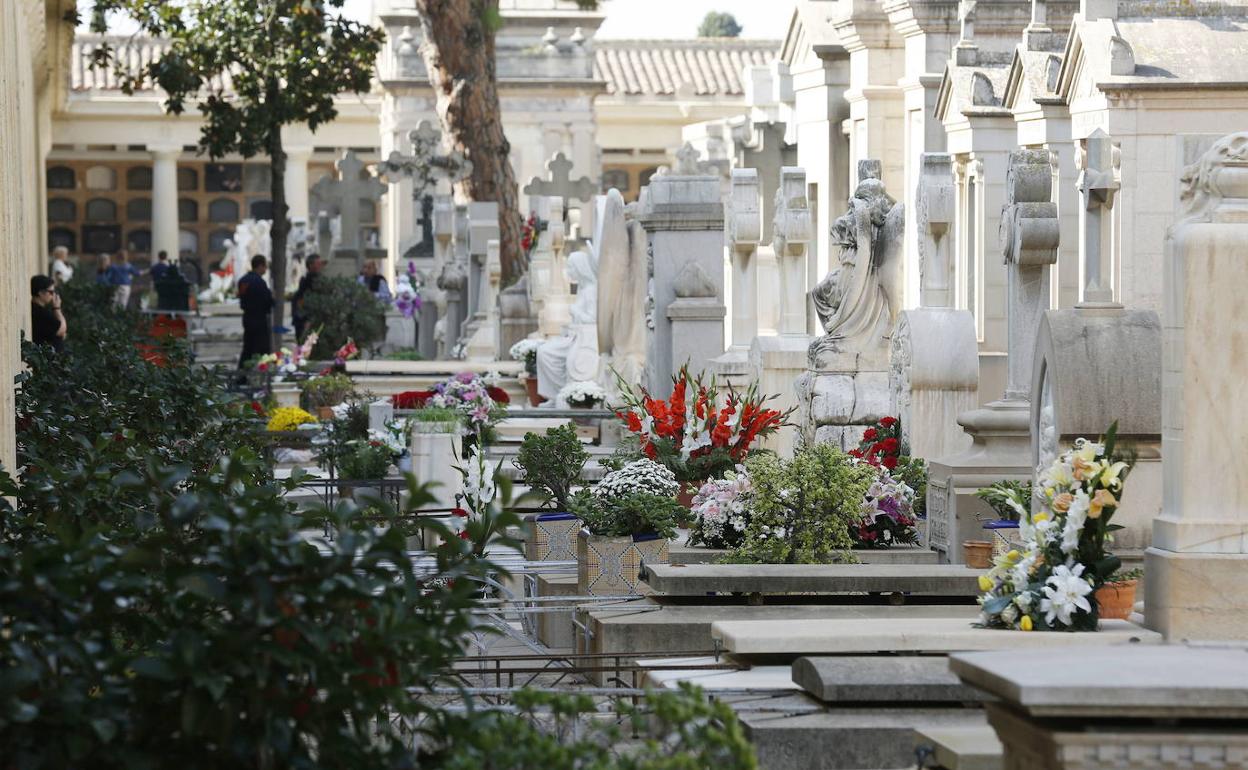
465, 377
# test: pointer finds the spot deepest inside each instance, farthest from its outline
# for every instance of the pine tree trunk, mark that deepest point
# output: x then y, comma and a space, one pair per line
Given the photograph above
277, 234
459, 54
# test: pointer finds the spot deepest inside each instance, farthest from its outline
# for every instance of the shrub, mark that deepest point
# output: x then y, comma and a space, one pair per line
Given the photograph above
327, 390
552, 463
342, 309
636, 513
365, 460
407, 354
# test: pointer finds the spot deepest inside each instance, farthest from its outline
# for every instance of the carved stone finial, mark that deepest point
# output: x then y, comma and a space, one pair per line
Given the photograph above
1029, 231
692, 282
1215, 187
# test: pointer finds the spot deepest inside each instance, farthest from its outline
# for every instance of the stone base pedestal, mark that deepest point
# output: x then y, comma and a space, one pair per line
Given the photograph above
777, 363
933, 379
433, 459
1000, 450
732, 369
837, 407
1195, 596
697, 325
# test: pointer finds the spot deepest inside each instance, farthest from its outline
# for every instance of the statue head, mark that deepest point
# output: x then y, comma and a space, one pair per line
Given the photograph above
580, 269
878, 200
844, 232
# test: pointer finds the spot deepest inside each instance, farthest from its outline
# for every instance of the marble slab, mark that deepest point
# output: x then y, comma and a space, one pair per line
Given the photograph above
964, 748
889, 680
702, 579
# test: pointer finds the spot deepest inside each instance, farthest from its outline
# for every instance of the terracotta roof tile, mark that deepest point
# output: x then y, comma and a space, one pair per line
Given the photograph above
706, 67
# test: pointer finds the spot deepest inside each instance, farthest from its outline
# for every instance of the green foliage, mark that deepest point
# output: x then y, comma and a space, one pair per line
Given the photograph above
432, 414
343, 309
719, 24
364, 460
804, 507
913, 471
625, 515
552, 463
327, 390
1009, 499
407, 354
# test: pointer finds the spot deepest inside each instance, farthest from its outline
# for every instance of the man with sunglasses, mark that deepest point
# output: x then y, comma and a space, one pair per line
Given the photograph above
47, 325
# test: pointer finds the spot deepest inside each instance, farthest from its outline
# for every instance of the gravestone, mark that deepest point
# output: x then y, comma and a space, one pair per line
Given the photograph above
1000, 431
345, 196
559, 182
549, 294
482, 328
934, 360
620, 245
744, 232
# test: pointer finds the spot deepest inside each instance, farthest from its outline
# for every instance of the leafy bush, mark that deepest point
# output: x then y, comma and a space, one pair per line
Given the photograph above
552, 463
625, 515
342, 310
406, 354
327, 390
365, 460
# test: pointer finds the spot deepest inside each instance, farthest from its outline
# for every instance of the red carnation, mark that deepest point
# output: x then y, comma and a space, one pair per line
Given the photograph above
870, 434
888, 422
889, 462
890, 445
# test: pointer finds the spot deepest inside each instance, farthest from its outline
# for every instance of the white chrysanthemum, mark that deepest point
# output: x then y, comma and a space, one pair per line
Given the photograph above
1065, 592
639, 476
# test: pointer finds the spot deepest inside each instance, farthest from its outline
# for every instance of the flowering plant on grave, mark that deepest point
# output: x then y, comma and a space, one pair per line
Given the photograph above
721, 510
638, 477
638, 499
1050, 584
887, 514
526, 350
473, 396
286, 418
881, 444
347, 352
583, 394
692, 433
528, 237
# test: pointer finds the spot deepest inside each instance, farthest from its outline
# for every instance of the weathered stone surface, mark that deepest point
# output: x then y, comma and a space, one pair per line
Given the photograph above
936, 635
871, 397
555, 629
702, 579
875, 679
833, 399
963, 748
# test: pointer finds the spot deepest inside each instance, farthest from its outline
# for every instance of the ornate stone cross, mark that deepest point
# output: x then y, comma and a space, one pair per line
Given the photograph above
744, 232
346, 192
426, 166
1100, 178
790, 238
559, 182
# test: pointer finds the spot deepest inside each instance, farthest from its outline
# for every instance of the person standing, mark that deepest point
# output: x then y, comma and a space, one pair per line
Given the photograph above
161, 269
47, 324
102, 264
375, 281
121, 275
61, 271
315, 263
256, 300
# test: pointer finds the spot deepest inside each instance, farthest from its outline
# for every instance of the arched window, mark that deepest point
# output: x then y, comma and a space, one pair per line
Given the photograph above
217, 239
61, 178
101, 210
617, 178
139, 178
139, 241
223, 210
139, 210
257, 178
101, 239
261, 209
62, 210
61, 236
188, 210
101, 178
188, 180
188, 243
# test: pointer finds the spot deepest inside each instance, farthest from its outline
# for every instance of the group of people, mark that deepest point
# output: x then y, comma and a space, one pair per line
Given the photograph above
120, 274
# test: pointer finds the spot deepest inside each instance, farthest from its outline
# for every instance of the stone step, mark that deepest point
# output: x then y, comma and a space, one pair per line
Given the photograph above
963, 748
930, 635
770, 679
883, 679
845, 738
680, 552
701, 579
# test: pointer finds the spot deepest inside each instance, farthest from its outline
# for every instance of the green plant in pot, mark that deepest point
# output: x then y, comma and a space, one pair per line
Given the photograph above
1009, 499
552, 464
628, 520
365, 461
327, 390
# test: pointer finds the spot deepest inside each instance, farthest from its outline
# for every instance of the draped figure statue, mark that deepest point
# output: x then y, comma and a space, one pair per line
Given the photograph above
620, 242
573, 357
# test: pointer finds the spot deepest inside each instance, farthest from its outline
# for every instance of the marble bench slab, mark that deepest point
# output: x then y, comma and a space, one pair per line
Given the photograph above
703, 579
680, 552
929, 635
964, 748
889, 680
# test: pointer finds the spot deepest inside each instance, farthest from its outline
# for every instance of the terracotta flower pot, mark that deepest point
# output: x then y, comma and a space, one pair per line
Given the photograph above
325, 412
978, 553
530, 387
1116, 601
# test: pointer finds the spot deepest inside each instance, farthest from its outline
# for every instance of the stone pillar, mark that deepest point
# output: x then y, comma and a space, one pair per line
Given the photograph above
297, 182
549, 291
165, 199
684, 221
1200, 540
744, 230
482, 235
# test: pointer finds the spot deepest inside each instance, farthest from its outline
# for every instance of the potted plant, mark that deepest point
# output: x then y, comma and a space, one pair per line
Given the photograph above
721, 511
1115, 599
582, 395
628, 518
290, 418
552, 465
526, 350
327, 391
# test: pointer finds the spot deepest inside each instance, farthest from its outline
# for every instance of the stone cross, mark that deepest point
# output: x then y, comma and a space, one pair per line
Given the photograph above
934, 214
688, 161
790, 237
1100, 178
559, 183
1029, 236
428, 168
347, 191
744, 232
966, 53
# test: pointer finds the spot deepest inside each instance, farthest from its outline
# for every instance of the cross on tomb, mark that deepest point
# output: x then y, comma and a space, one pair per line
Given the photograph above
346, 194
1100, 178
559, 182
425, 221
426, 166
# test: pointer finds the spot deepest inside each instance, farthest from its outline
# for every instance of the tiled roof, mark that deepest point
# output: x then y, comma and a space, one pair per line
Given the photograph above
703, 67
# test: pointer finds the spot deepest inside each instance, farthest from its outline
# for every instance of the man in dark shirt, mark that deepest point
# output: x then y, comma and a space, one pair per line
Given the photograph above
256, 300
315, 263
162, 267
47, 325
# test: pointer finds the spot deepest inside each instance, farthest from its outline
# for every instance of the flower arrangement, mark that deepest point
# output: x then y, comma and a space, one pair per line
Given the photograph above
1050, 584
528, 238
1009, 499
582, 395
526, 350
347, 352
327, 390
721, 511
693, 436
887, 514
638, 477
472, 395
881, 444
638, 499
406, 296
288, 361
289, 418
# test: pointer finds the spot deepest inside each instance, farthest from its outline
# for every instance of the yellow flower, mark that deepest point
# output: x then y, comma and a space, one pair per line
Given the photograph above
1109, 477
1087, 452
1040, 516
289, 418
1062, 503
1102, 499
1013, 556
985, 583
1025, 623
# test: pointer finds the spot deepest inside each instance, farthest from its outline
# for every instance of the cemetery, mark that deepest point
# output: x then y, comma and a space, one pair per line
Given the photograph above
865, 398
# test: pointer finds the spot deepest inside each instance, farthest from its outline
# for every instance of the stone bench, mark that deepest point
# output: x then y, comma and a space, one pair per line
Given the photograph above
947, 580
904, 635
962, 748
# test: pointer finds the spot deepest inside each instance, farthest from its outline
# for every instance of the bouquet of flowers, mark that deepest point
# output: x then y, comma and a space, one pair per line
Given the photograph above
347, 352
583, 394
721, 511
638, 477
289, 418
286, 360
526, 350
1051, 583
528, 238
887, 515
881, 444
471, 395
692, 435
